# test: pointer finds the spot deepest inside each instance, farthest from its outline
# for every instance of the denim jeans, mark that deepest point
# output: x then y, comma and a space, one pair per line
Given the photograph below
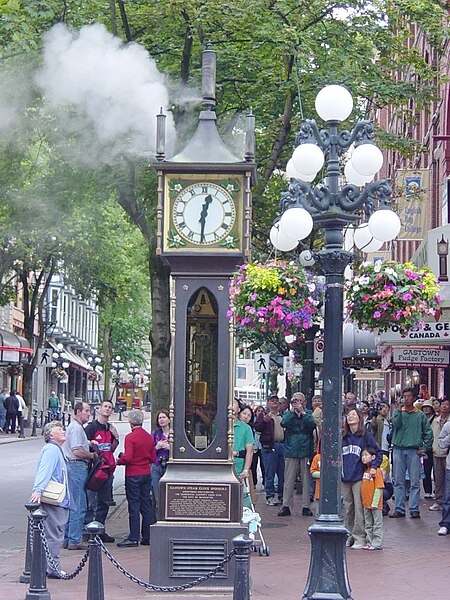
406, 459
157, 473
98, 502
273, 463
77, 473
138, 490
445, 520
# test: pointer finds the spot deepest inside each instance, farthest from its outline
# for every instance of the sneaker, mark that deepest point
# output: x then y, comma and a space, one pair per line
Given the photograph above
358, 547
349, 543
284, 512
436, 506
108, 539
415, 514
307, 512
369, 547
271, 501
443, 531
428, 496
59, 575
397, 515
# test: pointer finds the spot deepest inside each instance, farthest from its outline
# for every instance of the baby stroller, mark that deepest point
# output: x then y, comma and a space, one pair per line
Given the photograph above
253, 521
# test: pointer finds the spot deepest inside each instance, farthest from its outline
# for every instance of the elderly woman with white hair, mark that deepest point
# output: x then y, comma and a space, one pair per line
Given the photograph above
51, 466
138, 457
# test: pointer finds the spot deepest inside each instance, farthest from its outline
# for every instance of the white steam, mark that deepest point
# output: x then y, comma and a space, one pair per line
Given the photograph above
103, 94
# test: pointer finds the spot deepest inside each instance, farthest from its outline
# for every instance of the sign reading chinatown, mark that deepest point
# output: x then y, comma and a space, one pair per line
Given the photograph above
420, 357
437, 333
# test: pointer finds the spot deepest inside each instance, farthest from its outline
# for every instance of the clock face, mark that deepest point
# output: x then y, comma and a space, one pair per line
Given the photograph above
204, 213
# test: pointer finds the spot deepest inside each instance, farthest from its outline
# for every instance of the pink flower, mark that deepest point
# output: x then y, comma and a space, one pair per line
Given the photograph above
376, 314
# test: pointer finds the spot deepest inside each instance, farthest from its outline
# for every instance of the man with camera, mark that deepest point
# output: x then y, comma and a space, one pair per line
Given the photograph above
299, 426
412, 437
107, 438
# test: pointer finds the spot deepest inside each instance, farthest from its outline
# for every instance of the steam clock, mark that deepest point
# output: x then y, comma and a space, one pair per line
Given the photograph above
204, 210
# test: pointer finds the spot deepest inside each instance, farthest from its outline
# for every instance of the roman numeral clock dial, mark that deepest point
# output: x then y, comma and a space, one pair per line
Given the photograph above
204, 214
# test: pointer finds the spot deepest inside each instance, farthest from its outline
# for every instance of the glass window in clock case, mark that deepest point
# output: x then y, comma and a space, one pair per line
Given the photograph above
201, 369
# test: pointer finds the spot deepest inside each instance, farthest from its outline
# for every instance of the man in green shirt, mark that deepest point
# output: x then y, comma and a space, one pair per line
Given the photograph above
412, 437
53, 405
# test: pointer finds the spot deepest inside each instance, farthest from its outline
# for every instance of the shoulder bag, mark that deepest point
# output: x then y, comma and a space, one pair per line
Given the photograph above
54, 492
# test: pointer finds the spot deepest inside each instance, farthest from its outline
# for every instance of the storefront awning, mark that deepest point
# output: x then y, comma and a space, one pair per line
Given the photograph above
359, 348
13, 348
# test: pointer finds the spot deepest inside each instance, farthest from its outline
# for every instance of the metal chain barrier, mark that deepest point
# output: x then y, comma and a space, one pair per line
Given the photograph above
158, 588
52, 563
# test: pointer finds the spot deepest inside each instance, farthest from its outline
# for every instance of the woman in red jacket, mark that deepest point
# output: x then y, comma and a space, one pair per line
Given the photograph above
138, 457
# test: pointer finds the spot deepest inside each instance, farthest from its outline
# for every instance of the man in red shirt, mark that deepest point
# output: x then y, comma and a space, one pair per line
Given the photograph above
138, 457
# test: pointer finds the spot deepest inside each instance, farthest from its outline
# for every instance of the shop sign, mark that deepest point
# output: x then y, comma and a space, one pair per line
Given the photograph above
420, 357
435, 333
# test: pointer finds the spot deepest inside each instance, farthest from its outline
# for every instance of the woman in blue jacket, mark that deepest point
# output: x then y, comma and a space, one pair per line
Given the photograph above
52, 466
354, 440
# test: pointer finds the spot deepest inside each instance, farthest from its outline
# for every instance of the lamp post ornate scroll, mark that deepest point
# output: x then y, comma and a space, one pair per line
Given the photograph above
333, 207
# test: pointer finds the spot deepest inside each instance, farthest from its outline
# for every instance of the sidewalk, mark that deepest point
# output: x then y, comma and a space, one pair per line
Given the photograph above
412, 566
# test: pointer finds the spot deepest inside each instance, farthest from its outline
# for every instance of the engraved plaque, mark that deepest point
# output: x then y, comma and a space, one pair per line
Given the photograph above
198, 502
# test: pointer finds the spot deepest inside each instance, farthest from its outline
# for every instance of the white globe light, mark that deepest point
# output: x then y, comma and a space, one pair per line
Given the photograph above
334, 103
353, 177
364, 240
280, 241
306, 258
385, 225
308, 159
292, 173
296, 223
367, 159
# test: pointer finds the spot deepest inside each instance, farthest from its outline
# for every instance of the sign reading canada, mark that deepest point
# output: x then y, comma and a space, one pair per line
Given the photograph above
434, 333
420, 357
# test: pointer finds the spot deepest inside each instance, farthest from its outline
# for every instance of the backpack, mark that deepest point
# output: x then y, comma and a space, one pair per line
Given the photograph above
98, 473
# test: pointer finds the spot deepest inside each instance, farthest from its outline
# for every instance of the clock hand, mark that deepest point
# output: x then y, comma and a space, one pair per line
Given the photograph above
203, 216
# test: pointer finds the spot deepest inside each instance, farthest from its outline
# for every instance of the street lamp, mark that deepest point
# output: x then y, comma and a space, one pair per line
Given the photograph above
95, 373
333, 206
133, 371
59, 362
116, 368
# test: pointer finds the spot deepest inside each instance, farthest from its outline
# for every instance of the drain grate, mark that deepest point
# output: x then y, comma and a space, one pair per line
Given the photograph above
192, 558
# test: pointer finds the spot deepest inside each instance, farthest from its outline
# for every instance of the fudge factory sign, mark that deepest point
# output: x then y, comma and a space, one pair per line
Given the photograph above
420, 357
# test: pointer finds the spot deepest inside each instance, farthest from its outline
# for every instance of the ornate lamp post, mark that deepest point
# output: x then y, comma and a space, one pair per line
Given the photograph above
60, 363
134, 374
95, 374
117, 367
334, 207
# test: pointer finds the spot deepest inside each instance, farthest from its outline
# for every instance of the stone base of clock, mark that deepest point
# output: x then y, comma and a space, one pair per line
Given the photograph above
179, 553
200, 508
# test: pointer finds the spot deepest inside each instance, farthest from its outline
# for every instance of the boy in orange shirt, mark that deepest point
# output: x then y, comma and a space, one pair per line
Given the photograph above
372, 500
315, 473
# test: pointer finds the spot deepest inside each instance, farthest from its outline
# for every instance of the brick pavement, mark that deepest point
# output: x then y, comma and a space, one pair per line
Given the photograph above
414, 564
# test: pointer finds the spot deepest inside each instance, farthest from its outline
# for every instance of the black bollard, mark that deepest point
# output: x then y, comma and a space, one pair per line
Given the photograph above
38, 577
42, 422
21, 426
34, 430
63, 420
241, 590
68, 419
95, 588
25, 577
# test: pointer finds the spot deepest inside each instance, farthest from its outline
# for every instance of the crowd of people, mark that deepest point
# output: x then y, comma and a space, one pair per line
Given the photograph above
70, 458
388, 452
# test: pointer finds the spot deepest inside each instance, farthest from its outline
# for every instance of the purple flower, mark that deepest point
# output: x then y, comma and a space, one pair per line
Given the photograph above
407, 297
376, 314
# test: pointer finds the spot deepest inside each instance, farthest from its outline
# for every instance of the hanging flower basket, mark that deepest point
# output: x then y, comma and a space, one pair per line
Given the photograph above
14, 370
93, 376
276, 297
388, 293
58, 374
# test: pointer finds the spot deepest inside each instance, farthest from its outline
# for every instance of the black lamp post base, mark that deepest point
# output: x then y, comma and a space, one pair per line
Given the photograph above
327, 577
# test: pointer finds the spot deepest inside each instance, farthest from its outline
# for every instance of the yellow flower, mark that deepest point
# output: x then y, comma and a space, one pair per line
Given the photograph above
293, 291
281, 291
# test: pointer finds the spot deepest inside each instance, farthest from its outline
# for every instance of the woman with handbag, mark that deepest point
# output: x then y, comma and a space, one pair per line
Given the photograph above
50, 488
